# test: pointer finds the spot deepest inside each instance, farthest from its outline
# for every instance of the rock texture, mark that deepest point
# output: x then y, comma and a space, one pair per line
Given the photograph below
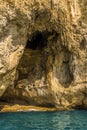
43, 52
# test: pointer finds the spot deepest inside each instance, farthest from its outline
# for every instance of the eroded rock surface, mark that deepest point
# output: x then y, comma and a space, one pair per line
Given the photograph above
43, 52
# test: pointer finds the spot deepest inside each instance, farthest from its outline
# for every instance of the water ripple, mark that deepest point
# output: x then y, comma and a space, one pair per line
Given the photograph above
65, 120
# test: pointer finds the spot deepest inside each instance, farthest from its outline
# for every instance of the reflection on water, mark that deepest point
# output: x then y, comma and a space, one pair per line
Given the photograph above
65, 120
62, 122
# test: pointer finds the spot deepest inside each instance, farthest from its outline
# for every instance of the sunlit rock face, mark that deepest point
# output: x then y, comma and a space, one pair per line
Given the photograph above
43, 52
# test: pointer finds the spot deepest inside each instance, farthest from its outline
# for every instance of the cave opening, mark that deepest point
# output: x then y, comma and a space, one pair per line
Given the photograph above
38, 40
33, 60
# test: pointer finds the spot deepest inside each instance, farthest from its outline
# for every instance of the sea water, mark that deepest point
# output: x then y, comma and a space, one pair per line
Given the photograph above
64, 120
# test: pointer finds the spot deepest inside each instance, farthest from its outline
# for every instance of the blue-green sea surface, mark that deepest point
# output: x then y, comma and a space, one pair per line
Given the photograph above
65, 120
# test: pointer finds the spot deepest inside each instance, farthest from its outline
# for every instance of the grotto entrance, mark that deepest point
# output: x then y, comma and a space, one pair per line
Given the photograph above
37, 41
32, 63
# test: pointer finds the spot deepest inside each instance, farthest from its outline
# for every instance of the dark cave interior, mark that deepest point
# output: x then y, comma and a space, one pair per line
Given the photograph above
38, 40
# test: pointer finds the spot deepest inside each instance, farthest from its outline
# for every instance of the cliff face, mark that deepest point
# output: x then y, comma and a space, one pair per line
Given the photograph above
43, 52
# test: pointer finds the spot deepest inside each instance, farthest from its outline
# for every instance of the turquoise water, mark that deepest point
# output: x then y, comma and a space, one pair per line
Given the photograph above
65, 120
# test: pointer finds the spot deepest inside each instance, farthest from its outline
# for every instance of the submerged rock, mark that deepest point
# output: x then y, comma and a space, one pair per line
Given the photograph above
43, 53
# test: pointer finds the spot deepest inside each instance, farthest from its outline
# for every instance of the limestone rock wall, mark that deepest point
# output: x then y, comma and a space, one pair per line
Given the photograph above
43, 52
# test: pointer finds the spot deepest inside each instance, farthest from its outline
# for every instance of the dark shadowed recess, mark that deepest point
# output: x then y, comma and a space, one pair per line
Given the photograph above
39, 39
